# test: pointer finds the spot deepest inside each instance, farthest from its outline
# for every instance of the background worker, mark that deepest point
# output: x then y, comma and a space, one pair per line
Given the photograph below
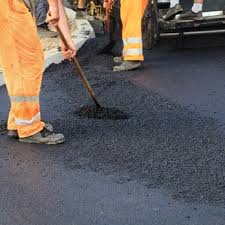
132, 12
176, 8
82, 10
21, 58
41, 8
41, 11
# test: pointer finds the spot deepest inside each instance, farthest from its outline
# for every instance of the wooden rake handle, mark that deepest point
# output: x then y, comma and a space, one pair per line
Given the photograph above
79, 69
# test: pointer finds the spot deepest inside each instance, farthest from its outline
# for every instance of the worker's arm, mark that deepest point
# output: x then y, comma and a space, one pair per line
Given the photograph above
63, 24
57, 16
53, 13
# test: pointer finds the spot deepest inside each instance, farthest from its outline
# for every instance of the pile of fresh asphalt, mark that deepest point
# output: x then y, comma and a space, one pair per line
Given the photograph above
162, 144
101, 113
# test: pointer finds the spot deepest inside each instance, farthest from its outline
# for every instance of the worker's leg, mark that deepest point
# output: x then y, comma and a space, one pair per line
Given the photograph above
81, 4
131, 15
21, 58
41, 11
82, 11
195, 12
197, 6
175, 8
174, 2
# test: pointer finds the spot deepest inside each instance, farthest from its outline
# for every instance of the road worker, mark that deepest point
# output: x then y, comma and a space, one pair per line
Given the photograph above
41, 10
132, 12
176, 8
21, 58
81, 9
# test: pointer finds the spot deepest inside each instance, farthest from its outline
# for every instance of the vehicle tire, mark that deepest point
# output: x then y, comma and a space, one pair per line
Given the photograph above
150, 25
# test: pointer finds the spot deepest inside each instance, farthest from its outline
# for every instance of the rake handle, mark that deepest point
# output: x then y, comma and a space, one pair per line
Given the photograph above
79, 69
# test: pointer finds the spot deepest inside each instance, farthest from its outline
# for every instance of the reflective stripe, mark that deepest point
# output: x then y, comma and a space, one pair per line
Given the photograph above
22, 122
134, 51
19, 99
132, 40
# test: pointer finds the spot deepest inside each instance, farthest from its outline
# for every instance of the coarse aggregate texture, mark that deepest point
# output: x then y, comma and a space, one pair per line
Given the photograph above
93, 112
2, 127
162, 144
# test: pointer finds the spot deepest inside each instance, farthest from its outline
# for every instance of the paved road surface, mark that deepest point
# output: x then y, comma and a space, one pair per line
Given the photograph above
165, 165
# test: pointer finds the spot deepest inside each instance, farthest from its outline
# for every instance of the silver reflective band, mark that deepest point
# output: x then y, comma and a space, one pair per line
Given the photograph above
134, 51
132, 40
22, 122
18, 99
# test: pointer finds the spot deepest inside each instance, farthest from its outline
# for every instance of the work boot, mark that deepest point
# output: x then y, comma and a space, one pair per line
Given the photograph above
127, 65
118, 59
44, 137
190, 15
13, 134
173, 11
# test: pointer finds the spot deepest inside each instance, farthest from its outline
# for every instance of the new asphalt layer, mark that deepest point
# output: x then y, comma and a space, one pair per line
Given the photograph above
165, 164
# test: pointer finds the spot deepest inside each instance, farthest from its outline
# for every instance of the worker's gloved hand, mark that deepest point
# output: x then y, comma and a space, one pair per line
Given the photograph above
69, 54
53, 15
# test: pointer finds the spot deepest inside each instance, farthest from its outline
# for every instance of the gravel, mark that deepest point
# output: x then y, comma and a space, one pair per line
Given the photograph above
162, 144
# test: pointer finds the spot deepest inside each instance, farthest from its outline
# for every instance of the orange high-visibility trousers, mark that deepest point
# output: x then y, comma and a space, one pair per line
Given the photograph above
21, 59
132, 12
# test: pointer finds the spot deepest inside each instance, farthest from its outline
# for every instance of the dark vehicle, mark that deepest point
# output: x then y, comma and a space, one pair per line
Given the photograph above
154, 26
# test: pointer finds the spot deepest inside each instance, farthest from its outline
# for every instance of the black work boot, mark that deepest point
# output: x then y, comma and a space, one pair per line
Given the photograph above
12, 134
190, 15
172, 12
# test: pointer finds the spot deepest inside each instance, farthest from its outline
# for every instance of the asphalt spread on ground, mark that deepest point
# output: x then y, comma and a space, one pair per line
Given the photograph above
162, 144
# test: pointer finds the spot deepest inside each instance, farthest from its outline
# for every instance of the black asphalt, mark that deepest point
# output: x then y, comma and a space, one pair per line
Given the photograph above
164, 165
